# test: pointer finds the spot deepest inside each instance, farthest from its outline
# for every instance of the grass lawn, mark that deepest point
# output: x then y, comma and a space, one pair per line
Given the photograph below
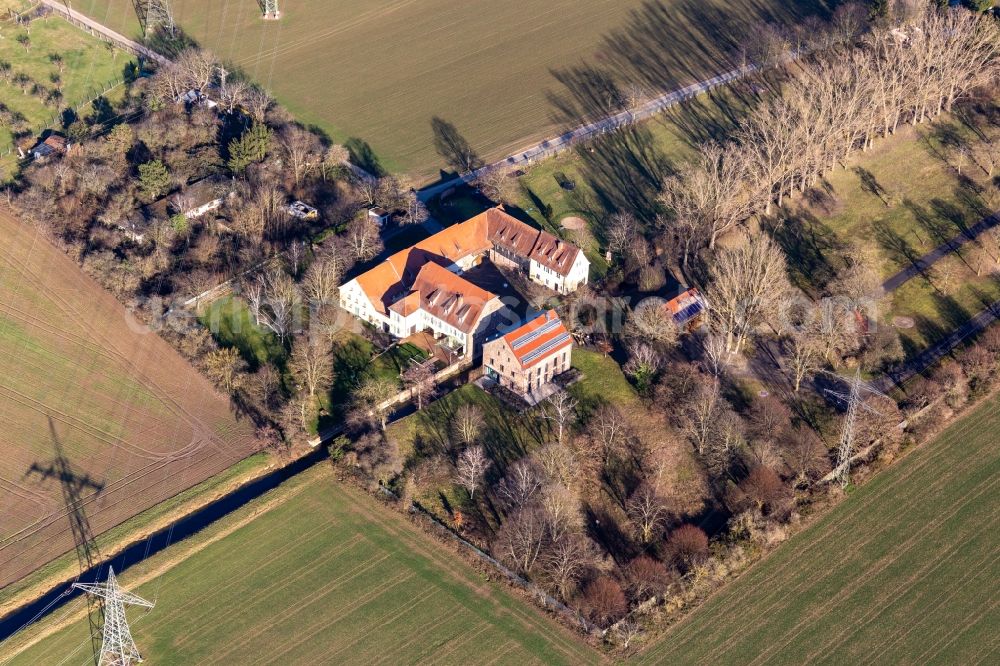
904, 197
380, 71
89, 67
603, 381
904, 571
355, 360
315, 572
232, 325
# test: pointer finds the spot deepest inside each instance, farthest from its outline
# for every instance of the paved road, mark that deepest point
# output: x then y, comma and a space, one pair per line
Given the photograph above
933, 354
548, 147
76, 17
923, 263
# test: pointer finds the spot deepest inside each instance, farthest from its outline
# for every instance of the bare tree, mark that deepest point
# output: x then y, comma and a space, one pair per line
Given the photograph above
643, 363
257, 102
363, 238
565, 562
414, 210
472, 465
558, 464
521, 484
303, 151
701, 414
750, 287
609, 428
646, 577
467, 423
647, 511
273, 299
621, 229
419, 379
370, 401
198, 66
497, 183
651, 320
311, 365
626, 631
805, 352
233, 94
560, 409
521, 539
224, 367
322, 279
603, 600
709, 196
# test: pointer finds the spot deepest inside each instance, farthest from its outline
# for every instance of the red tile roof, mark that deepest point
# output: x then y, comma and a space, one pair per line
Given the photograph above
383, 283
538, 339
554, 253
449, 297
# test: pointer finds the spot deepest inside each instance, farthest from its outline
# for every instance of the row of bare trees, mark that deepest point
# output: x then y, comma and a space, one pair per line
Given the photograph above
835, 103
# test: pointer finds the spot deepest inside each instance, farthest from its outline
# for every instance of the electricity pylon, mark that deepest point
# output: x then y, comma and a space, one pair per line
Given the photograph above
154, 14
854, 400
117, 646
270, 9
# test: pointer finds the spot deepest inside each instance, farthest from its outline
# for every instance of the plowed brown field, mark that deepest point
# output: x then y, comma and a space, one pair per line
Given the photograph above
134, 423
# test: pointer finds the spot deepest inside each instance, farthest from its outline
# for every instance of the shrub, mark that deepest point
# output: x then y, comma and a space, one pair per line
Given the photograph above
603, 601
646, 577
687, 546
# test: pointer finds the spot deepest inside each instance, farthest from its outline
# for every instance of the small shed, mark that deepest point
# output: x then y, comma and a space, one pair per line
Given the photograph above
193, 201
687, 308
53, 144
380, 216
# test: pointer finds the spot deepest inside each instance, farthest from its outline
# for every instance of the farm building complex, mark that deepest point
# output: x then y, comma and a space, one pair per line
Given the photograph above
422, 288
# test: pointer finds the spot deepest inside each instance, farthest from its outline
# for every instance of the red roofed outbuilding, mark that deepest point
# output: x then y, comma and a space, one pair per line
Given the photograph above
527, 358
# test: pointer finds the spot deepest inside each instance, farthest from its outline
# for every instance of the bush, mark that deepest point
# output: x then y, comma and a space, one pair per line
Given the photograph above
765, 489
603, 601
646, 577
687, 546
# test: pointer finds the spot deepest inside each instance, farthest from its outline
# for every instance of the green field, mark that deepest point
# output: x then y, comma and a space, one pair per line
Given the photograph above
89, 68
905, 571
321, 574
381, 70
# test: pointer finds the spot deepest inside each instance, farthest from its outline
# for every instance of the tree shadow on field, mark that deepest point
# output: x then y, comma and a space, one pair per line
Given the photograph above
452, 145
664, 46
899, 250
362, 155
625, 171
809, 245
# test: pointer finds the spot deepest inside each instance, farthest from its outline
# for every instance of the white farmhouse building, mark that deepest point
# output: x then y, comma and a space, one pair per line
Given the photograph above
399, 295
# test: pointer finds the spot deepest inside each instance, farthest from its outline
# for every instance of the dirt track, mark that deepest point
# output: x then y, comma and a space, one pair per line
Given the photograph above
135, 422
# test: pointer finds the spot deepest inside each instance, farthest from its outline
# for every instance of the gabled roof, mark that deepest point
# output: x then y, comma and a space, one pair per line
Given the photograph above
449, 297
538, 339
685, 306
510, 232
385, 282
554, 253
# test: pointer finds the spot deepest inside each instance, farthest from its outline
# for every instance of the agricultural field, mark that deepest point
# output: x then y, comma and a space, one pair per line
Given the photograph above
903, 571
88, 68
316, 572
377, 73
97, 411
